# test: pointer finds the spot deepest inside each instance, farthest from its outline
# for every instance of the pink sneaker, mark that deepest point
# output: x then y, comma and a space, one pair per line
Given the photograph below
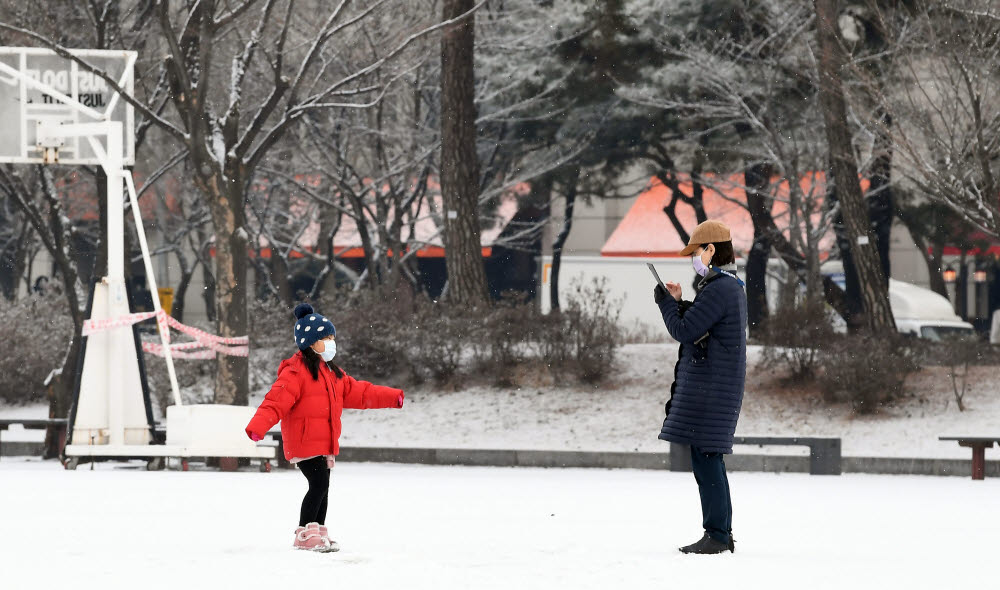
325, 533
309, 538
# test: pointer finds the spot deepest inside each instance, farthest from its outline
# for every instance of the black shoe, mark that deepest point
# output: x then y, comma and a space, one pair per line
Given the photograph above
732, 543
708, 546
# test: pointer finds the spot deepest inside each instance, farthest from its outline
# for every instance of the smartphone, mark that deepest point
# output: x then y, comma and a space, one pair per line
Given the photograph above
655, 275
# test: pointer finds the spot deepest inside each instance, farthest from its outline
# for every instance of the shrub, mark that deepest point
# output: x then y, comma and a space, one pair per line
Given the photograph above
866, 371
375, 329
37, 330
441, 342
383, 333
794, 339
958, 353
594, 328
509, 331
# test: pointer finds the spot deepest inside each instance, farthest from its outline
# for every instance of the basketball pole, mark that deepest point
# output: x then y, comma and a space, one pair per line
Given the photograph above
112, 161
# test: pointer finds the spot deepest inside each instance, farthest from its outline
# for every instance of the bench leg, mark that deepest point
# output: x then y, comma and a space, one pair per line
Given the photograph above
979, 462
824, 457
279, 454
680, 457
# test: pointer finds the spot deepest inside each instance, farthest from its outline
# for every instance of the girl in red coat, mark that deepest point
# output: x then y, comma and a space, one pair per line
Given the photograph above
308, 398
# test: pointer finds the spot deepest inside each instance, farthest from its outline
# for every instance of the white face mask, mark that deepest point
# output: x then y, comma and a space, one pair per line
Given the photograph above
329, 351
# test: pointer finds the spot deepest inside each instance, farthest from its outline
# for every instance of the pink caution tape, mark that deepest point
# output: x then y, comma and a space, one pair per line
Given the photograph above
232, 346
157, 349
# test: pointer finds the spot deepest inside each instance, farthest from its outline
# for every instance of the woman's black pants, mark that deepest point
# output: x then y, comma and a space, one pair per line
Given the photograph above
713, 486
315, 501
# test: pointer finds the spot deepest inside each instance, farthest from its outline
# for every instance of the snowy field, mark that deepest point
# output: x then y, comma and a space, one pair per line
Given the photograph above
625, 414
416, 527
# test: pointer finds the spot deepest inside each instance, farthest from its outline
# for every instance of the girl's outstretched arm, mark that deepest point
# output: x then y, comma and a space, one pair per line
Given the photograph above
278, 401
362, 395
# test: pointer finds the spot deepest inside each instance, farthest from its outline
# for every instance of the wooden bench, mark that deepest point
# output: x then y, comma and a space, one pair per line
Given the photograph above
824, 453
36, 424
978, 444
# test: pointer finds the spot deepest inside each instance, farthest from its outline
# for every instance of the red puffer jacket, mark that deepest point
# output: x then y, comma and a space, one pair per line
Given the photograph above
309, 409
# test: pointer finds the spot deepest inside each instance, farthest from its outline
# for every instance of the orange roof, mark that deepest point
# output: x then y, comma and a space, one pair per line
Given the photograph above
647, 231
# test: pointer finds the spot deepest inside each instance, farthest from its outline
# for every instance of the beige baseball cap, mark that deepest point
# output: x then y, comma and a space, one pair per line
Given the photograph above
707, 233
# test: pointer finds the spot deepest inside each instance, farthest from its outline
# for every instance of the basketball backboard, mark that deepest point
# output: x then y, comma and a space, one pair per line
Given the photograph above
40, 96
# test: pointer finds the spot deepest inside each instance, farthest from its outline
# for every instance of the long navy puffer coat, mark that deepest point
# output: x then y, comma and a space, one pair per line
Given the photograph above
708, 383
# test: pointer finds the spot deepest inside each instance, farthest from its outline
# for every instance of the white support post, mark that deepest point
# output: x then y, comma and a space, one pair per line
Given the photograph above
151, 279
115, 279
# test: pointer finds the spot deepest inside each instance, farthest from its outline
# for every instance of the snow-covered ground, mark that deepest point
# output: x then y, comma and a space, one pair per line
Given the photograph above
415, 527
625, 414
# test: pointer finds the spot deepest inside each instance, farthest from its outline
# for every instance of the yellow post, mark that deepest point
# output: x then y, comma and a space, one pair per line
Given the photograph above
166, 295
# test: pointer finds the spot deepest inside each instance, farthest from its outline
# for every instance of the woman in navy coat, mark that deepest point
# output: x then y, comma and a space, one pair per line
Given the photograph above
707, 392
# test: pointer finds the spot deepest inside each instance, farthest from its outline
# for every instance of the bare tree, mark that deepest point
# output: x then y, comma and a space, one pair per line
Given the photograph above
873, 282
288, 57
948, 137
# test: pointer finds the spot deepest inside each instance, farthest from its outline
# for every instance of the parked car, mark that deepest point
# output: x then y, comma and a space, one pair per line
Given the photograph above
918, 311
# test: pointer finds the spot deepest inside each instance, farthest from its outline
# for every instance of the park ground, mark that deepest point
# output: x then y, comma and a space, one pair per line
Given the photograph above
416, 527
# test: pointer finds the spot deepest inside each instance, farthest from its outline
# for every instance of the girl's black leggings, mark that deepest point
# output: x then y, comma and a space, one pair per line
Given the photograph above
315, 501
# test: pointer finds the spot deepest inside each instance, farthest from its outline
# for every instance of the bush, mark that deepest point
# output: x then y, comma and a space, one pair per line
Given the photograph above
508, 334
591, 321
37, 330
959, 353
375, 330
794, 339
441, 343
867, 372
384, 335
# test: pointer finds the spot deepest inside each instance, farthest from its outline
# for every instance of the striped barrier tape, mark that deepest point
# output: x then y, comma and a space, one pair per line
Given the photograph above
232, 346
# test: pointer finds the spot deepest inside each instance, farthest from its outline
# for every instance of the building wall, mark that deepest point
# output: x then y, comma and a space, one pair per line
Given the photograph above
593, 223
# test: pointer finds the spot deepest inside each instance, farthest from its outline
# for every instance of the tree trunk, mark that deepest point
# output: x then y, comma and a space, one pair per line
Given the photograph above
873, 284
560, 242
330, 221
853, 308
187, 273
208, 278
61, 386
757, 178
278, 268
226, 199
459, 161
101, 262
962, 287
881, 209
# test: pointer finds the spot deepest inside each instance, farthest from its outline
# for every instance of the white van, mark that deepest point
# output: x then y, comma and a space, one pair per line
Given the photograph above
918, 311
924, 313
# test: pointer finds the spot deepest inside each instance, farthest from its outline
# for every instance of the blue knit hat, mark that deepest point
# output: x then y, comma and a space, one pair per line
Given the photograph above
310, 326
